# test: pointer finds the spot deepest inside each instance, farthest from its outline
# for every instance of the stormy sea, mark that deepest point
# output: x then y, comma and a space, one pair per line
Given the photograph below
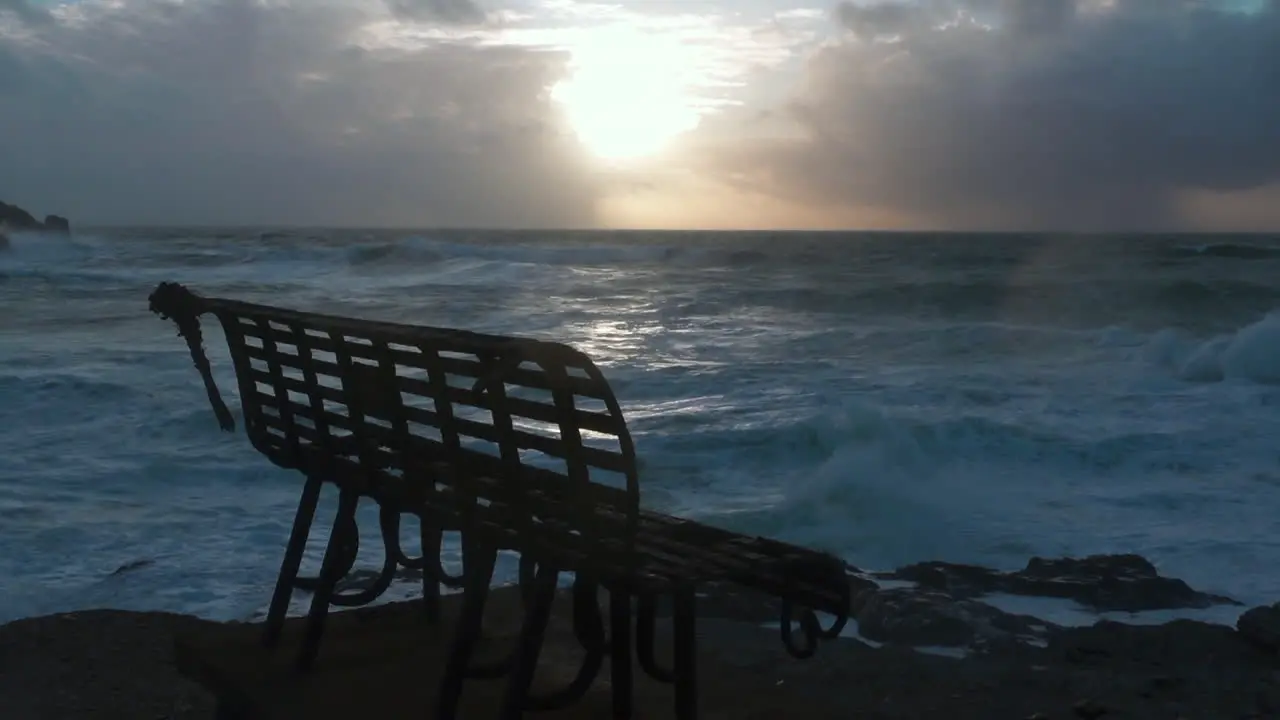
887, 397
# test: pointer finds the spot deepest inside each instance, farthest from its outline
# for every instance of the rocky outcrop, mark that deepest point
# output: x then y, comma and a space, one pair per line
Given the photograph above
920, 618
1124, 583
58, 224
940, 604
15, 219
1261, 627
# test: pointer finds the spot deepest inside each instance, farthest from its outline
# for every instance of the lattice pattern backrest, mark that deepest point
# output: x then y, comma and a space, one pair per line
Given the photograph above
390, 400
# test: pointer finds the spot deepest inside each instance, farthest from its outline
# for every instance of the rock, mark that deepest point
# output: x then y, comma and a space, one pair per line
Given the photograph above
1261, 627
909, 618
1126, 583
58, 224
14, 218
912, 617
4, 242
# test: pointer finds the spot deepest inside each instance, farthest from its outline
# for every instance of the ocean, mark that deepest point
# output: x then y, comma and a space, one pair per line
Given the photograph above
888, 397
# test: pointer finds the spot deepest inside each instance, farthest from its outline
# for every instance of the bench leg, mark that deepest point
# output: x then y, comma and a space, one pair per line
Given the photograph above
685, 660
343, 525
620, 672
430, 534
477, 564
292, 562
534, 630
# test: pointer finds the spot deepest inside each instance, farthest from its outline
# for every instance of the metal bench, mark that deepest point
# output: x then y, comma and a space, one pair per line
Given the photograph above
505, 440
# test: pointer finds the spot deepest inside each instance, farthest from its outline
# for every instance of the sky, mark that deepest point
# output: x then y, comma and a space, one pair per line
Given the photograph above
1055, 115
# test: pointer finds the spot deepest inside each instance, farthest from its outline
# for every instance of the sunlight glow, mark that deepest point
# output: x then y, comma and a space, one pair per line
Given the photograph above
629, 92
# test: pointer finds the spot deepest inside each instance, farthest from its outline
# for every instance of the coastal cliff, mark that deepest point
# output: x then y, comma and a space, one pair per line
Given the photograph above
15, 219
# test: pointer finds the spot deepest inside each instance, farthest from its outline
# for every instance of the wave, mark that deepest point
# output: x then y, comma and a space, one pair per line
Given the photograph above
426, 250
1235, 251
37, 388
917, 443
899, 487
1251, 353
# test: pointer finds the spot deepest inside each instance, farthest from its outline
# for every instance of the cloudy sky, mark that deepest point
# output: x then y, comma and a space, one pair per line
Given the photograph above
889, 114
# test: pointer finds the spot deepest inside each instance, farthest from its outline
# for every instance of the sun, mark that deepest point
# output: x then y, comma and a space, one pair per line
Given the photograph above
627, 94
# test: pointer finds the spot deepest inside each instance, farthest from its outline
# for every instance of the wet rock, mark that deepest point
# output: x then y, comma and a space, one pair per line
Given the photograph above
13, 217
912, 617
1261, 627
57, 224
1171, 650
1126, 583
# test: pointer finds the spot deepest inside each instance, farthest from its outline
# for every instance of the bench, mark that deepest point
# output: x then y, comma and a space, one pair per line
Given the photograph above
513, 444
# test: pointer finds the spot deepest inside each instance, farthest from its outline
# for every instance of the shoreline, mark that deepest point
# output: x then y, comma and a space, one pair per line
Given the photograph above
932, 650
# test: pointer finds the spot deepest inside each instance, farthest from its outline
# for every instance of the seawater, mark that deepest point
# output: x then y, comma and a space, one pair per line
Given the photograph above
890, 398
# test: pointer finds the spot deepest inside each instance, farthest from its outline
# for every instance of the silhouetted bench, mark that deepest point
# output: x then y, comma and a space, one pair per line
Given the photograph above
511, 442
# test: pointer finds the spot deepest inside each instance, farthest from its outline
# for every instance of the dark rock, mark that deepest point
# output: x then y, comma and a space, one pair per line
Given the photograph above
1168, 649
13, 217
912, 617
909, 618
944, 609
58, 224
1261, 627
1126, 583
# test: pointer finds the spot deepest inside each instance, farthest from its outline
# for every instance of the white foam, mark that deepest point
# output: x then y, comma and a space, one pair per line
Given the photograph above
1250, 354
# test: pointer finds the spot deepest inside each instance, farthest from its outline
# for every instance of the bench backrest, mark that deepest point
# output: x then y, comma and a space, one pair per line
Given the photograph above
383, 405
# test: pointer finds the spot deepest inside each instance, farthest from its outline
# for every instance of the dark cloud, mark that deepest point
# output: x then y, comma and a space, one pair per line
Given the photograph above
23, 10
1050, 116
883, 19
232, 111
448, 11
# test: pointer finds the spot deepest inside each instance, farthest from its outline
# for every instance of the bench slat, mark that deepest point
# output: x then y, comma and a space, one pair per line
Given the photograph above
468, 463
465, 362
592, 456
587, 419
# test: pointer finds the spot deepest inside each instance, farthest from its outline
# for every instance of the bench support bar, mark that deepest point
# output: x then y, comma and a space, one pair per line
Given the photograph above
292, 562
